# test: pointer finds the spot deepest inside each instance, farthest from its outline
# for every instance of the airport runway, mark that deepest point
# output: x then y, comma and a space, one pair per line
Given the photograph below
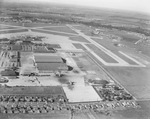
120, 62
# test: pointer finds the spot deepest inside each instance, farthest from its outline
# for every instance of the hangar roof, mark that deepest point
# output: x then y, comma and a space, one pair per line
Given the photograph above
51, 66
47, 59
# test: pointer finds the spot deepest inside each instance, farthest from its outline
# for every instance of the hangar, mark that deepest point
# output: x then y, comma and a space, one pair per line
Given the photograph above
47, 58
51, 67
49, 63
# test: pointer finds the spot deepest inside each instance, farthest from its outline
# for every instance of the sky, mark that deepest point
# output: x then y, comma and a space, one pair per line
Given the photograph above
132, 5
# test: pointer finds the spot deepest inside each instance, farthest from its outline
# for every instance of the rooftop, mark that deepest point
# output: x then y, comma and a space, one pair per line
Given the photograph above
48, 59
51, 66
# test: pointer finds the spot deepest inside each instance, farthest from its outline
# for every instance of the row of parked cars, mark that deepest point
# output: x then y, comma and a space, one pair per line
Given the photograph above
46, 99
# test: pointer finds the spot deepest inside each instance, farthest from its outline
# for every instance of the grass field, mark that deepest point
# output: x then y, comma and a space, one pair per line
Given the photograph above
54, 46
32, 90
82, 27
85, 29
101, 54
94, 58
60, 29
51, 32
125, 36
79, 46
125, 58
135, 80
106, 43
109, 45
87, 64
5, 27
79, 39
144, 48
40, 25
53, 115
12, 23
13, 31
129, 38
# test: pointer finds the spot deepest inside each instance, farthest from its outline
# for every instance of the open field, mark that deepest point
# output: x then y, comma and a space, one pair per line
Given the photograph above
41, 25
109, 45
53, 115
54, 46
13, 31
86, 63
139, 113
51, 32
132, 38
101, 54
6, 27
79, 46
79, 39
82, 28
86, 30
94, 58
135, 80
125, 36
32, 90
144, 49
60, 29
11, 23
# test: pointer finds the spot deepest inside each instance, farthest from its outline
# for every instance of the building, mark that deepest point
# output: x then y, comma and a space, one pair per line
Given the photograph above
51, 67
49, 63
9, 73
